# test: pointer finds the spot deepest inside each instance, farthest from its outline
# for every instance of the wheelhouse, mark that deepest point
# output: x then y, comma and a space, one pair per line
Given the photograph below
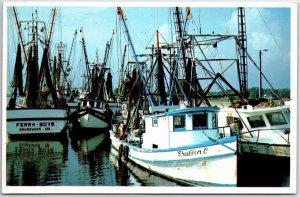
183, 127
98, 104
249, 119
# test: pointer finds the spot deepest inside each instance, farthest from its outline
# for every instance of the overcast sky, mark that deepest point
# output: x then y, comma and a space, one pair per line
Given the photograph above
267, 28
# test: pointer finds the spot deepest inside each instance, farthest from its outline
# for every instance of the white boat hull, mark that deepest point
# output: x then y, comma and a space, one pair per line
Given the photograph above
25, 121
207, 164
90, 118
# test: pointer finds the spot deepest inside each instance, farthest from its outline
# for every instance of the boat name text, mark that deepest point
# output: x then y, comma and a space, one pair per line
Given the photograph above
35, 126
192, 152
32, 124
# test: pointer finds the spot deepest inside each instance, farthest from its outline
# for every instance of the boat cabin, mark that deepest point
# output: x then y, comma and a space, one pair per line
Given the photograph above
181, 127
90, 103
99, 105
249, 119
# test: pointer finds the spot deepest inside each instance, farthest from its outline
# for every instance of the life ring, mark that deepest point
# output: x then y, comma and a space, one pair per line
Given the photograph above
120, 151
125, 152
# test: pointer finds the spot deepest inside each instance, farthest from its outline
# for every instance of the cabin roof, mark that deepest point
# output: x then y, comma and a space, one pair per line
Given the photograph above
257, 110
184, 111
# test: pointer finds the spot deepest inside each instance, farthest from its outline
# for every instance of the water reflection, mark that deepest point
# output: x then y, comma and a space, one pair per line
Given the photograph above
91, 161
131, 174
92, 152
35, 162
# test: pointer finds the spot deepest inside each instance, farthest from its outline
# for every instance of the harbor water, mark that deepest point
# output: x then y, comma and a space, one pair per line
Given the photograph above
91, 161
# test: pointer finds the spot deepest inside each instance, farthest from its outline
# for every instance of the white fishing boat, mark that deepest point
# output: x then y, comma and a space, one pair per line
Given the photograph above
263, 131
182, 143
93, 114
95, 110
42, 111
43, 121
185, 145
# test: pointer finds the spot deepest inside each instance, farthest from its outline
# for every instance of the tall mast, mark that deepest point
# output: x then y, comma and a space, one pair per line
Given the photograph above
177, 59
53, 14
137, 62
122, 68
180, 30
20, 34
107, 49
71, 49
85, 56
242, 49
157, 39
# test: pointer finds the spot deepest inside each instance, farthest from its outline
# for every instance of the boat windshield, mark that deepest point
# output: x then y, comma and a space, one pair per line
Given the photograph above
179, 121
199, 121
276, 118
256, 121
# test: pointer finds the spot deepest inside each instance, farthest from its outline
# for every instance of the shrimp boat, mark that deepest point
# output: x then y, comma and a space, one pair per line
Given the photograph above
184, 145
262, 131
94, 107
181, 143
42, 111
91, 114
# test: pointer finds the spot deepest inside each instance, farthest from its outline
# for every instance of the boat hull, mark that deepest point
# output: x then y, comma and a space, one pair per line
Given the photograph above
43, 121
90, 118
205, 165
266, 143
263, 149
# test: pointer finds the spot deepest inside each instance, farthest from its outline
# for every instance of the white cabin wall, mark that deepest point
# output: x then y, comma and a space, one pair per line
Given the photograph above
222, 119
156, 135
171, 125
190, 138
189, 122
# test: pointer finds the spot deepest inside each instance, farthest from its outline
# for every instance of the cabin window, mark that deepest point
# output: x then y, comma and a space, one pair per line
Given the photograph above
179, 122
256, 121
98, 105
199, 120
287, 115
92, 103
276, 118
154, 122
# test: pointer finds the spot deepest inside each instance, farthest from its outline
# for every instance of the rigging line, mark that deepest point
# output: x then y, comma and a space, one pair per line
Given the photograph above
192, 88
220, 63
229, 22
211, 75
213, 72
213, 140
243, 121
150, 39
136, 36
227, 67
163, 37
194, 22
118, 46
272, 88
270, 32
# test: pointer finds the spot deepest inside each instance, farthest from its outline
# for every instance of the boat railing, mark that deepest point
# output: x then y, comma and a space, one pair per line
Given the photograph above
222, 131
285, 130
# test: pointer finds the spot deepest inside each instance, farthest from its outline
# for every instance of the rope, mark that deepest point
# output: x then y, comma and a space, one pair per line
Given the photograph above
213, 140
284, 55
